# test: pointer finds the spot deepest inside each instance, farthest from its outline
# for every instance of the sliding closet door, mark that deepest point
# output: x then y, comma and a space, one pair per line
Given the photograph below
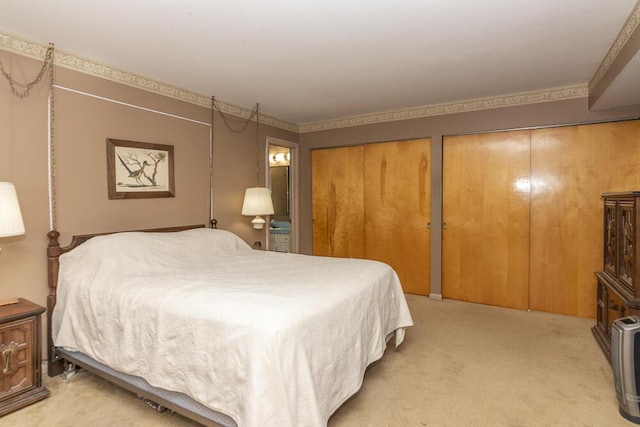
571, 167
338, 202
373, 201
397, 188
485, 252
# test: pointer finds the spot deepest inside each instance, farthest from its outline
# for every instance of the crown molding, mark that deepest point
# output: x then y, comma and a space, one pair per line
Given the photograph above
73, 62
524, 98
66, 60
629, 27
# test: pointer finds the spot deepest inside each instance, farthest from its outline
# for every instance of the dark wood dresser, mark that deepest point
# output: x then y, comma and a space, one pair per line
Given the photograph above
618, 288
20, 373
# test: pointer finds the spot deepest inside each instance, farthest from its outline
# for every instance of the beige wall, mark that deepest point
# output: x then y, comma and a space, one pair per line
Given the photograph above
82, 125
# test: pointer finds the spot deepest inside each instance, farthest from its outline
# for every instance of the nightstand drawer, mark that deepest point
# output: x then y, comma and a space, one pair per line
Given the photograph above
20, 351
16, 357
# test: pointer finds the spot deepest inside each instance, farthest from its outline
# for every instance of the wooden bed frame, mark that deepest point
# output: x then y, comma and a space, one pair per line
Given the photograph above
60, 360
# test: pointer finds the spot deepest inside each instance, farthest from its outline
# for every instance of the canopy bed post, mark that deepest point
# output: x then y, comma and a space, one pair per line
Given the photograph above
55, 364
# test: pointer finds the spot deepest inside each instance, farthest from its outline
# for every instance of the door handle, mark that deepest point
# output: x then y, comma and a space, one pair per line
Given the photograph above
444, 225
7, 355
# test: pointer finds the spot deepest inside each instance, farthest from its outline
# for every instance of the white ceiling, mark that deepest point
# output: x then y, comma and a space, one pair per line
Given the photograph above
309, 61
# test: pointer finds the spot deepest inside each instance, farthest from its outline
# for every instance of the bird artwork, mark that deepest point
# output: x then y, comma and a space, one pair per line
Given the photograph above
135, 174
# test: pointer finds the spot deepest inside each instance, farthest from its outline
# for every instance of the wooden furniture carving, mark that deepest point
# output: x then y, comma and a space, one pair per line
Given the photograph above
618, 284
20, 361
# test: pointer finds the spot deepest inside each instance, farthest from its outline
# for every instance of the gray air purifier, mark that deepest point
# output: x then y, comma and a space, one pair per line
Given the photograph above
625, 360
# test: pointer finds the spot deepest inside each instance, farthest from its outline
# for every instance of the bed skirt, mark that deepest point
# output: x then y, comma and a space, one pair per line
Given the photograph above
177, 402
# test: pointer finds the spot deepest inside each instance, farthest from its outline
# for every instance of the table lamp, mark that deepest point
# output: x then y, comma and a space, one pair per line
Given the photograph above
11, 223
257, 201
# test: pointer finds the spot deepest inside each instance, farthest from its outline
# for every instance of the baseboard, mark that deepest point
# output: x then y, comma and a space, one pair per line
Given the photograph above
437, 297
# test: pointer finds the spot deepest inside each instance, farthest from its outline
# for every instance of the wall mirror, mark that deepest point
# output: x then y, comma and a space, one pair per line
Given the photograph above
281, 176
280, 189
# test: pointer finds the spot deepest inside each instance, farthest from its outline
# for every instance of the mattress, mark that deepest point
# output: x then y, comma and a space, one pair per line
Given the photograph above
266, 338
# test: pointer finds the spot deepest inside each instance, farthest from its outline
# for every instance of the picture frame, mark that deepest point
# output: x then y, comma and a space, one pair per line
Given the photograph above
138, 170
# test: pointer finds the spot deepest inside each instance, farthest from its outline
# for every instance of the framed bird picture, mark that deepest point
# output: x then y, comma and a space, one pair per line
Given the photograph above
137, 170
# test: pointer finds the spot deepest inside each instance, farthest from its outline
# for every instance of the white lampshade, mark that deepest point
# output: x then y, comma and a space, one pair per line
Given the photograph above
10, 217
257, 201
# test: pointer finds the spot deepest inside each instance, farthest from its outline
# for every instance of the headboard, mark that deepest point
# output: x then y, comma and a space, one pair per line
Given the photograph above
54, 250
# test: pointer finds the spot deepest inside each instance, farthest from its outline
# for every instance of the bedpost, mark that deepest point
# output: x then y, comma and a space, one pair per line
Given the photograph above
54, 364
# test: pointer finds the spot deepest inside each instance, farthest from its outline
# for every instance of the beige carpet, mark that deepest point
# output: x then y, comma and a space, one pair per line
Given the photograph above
461, 364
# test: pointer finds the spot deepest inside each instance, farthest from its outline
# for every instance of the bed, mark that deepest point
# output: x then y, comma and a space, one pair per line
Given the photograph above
194, 319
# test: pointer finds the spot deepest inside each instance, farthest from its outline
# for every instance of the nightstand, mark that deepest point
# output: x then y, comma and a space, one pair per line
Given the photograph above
20, 361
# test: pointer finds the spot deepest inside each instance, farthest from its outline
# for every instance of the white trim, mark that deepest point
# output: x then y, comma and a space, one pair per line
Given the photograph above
437, 297
126, 104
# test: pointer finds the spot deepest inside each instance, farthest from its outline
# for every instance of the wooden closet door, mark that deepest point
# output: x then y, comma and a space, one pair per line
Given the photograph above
397, 188
338, 202
485, 252
571, 166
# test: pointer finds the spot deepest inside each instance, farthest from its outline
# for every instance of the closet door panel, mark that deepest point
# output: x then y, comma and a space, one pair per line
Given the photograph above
486, 212
338, 202
571, 167
397, 188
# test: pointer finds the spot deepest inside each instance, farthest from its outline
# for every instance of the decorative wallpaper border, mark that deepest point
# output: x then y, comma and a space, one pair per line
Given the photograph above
451, 108
629, 27
77, 63
87, 66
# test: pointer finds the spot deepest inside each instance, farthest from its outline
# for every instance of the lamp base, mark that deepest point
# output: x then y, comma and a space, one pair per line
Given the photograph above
9, 301
258, 222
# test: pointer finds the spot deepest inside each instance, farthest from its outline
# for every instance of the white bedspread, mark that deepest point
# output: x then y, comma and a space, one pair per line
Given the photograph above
269, 339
